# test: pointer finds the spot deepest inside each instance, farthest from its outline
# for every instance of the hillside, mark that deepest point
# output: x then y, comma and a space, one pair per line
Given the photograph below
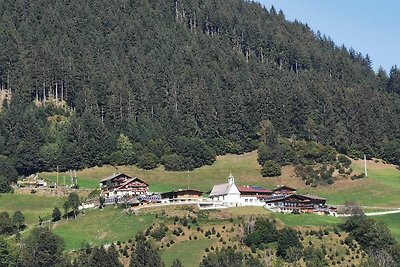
123, 82
380, 189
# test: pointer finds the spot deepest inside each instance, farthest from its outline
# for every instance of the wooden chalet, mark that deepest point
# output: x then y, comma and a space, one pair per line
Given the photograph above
283, 190
295, 202
181, 195
121, 185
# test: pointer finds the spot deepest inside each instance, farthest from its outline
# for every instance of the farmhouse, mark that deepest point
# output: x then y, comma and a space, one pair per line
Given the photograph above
283, 190
253, 195
120, 184
181, 195
296, 203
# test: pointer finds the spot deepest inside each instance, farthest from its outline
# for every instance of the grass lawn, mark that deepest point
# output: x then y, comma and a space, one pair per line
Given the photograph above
101, 227
189, 252
32, 206
307, 219
393, 222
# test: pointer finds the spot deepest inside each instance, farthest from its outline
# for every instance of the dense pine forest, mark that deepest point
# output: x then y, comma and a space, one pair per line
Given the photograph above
177, 82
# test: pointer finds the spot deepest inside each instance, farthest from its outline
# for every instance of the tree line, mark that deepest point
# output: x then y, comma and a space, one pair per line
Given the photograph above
176, 83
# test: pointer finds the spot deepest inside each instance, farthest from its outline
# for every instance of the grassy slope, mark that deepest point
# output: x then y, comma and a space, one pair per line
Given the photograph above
393, 222
307, 220
244, 168
188, 252
381, 188
101, 227
32, 206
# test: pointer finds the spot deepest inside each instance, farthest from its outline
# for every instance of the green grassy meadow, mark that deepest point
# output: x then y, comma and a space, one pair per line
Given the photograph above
393, 222
244, 167
380, 189
307, 220
98, 227
32, 206
188, 252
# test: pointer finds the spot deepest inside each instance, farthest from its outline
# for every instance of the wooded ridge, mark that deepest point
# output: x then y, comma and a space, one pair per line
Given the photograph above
178, 82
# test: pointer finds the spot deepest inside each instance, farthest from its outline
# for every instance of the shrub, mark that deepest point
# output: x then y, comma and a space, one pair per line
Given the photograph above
271, 168
345, 161
147, 161
173, 162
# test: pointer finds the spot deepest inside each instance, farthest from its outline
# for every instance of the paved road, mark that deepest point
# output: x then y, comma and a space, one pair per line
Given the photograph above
376, 213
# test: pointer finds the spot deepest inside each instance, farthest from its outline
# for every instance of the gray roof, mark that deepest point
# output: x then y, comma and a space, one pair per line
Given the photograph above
133, 201
222, 189
110, 177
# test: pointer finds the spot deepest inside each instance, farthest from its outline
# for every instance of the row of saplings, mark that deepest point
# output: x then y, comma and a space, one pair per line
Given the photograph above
261, 232
43, 248
373, 237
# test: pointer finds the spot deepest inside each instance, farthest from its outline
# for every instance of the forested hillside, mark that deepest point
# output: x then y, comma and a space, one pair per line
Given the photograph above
177, 82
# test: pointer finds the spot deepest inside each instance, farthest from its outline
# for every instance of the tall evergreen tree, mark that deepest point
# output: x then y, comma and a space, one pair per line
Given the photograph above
394, 80
145, 254
7, 257
41, 248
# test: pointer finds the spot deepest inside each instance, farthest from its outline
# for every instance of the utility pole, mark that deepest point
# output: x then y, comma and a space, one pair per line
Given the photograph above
365, 166
57, 176
188, 179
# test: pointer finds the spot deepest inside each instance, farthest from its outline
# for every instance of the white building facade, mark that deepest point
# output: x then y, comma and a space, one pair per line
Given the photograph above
229, 195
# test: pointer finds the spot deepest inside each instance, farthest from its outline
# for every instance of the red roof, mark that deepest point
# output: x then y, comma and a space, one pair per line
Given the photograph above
130, 181
249, 189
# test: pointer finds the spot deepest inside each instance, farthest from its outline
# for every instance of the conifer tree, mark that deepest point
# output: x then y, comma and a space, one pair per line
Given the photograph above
41, 248
145, 254
7, 257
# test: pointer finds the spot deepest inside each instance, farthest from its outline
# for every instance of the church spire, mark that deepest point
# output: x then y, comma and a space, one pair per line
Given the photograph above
231, 179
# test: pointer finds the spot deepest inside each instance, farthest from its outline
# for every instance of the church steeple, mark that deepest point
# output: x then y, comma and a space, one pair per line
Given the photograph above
231, 179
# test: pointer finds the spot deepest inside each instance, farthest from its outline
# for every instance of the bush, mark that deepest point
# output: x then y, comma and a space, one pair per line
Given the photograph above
345, 161
147, 161
116, 158
271, 168
174, 162
360, 176
158, 233
195, 151
5, 185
